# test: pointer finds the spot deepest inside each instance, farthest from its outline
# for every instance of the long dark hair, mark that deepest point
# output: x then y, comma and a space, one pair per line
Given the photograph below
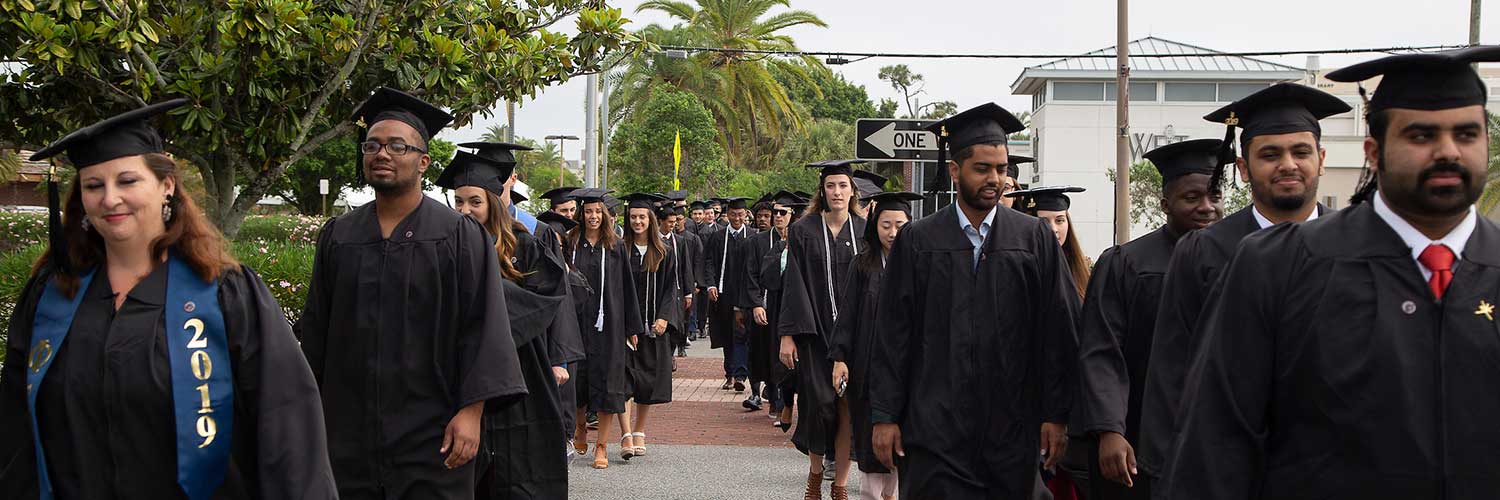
656, 251
499, 223
607, 237
871, 255
1078, 264
819, 205
189, 232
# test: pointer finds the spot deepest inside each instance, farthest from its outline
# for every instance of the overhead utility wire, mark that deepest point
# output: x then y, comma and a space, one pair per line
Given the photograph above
867, 55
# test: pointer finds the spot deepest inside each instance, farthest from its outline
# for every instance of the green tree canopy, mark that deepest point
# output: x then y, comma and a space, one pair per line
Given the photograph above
641, 155
826, 94
273, 80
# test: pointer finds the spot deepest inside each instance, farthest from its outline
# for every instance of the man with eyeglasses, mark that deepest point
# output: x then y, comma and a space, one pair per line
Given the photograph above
405, 325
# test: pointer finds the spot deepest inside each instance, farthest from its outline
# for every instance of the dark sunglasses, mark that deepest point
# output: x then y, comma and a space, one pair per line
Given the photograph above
782, 211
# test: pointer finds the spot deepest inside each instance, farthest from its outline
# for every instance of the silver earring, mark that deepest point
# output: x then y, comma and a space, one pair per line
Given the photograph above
87, 226
166, 210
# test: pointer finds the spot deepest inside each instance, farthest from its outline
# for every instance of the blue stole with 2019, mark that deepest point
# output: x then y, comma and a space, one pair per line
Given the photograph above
202, 385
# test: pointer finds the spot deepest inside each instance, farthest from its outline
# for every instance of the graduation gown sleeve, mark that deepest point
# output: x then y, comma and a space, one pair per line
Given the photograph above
668, 295
851, 314
755, 251
902, 319
312, 325
1104, 377
485, 354
1182, 299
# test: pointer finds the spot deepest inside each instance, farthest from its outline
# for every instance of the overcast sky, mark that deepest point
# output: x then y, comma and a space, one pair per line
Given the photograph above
1052, 26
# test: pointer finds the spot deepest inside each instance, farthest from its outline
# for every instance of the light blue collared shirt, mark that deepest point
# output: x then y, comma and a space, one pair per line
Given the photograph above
976, 236
524, 218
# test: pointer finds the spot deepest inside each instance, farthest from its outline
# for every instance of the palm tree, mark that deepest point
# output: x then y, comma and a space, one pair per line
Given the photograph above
495, 133
1490, 200
751, 109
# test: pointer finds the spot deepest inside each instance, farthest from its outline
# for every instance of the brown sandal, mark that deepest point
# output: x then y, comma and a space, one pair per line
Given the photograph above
601, 456
838, 493
814, 487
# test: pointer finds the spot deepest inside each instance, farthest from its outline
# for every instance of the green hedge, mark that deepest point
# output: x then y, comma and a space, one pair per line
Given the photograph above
284, 265
280, 228
21, 230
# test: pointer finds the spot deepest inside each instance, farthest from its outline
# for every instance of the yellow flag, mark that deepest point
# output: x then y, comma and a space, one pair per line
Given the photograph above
677, 161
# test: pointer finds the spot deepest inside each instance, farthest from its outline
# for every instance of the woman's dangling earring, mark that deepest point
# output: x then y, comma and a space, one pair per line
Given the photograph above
87, 226
166, 210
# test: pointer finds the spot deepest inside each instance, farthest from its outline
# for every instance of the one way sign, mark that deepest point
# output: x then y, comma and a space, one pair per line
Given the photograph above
883, 139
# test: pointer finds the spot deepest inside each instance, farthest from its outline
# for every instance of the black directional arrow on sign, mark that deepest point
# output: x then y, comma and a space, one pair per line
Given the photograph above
884, 139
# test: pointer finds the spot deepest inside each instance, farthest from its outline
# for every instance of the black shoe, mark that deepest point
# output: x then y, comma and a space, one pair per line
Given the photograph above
752, 404
727, 385
739, 386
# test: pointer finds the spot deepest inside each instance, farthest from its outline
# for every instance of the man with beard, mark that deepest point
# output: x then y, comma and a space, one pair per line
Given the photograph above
1354, 356
976, 355
726, 293
405, 325
1281, 157
1119, 316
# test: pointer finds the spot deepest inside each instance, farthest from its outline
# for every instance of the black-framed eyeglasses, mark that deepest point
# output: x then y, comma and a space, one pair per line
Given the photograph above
394, 148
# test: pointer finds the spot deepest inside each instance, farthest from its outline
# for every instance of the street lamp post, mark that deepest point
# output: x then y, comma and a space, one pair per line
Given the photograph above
562, 170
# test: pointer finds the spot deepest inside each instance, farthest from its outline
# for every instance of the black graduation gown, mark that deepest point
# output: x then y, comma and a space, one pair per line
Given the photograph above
1114, 343
401, 333
769, 282
970, 361
519, 454
564, 337
650, 365
853, 344
1328, 371
765, 345
604, 386
687, 253
106, 407
807, 315
726, 271
1191, 274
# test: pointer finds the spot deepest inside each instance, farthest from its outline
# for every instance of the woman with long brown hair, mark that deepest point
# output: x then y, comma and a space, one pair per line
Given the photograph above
654, 269
820, 248
518, 456
610, 319
179, 375
1051, 204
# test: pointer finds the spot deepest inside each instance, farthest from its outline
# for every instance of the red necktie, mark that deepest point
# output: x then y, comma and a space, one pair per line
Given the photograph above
1438, 259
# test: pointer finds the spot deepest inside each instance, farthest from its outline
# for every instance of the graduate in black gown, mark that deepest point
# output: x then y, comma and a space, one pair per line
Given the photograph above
610, 318
764, 357
819, 250
975, 354
1013, 179
143, 361
519, 454
729, 308
560, 203
405, 322
1281, 157
763, 287
687, 253
654, 268
698, 213
567, 318
1119, 317
854, 334
1354, 357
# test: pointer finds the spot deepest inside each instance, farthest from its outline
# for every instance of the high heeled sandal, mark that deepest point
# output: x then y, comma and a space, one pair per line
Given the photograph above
639, 451
626, 451
814, 487
601, 456
838, 493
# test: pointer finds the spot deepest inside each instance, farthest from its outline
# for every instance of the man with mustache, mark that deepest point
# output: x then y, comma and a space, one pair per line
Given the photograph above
1119, 317
975, 358
1355, 356
405, 325
1281, 157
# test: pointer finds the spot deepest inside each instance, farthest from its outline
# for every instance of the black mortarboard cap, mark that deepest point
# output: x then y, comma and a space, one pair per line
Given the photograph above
1429, 81
119, 136
1013, 165
896, 200
678, 195
986, 123
1046, 198
469, 170
499, 152
589, 195
698, 205
803, 194
643, 200
765, 198
559, 195
1198, 156
786, 198
559, 222
715, 201
612, 203
390, 104
874, 183
517, 198
834, 167
1282, 108
735, 202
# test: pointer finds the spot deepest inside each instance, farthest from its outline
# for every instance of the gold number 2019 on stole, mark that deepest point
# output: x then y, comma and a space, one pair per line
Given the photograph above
203, 368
